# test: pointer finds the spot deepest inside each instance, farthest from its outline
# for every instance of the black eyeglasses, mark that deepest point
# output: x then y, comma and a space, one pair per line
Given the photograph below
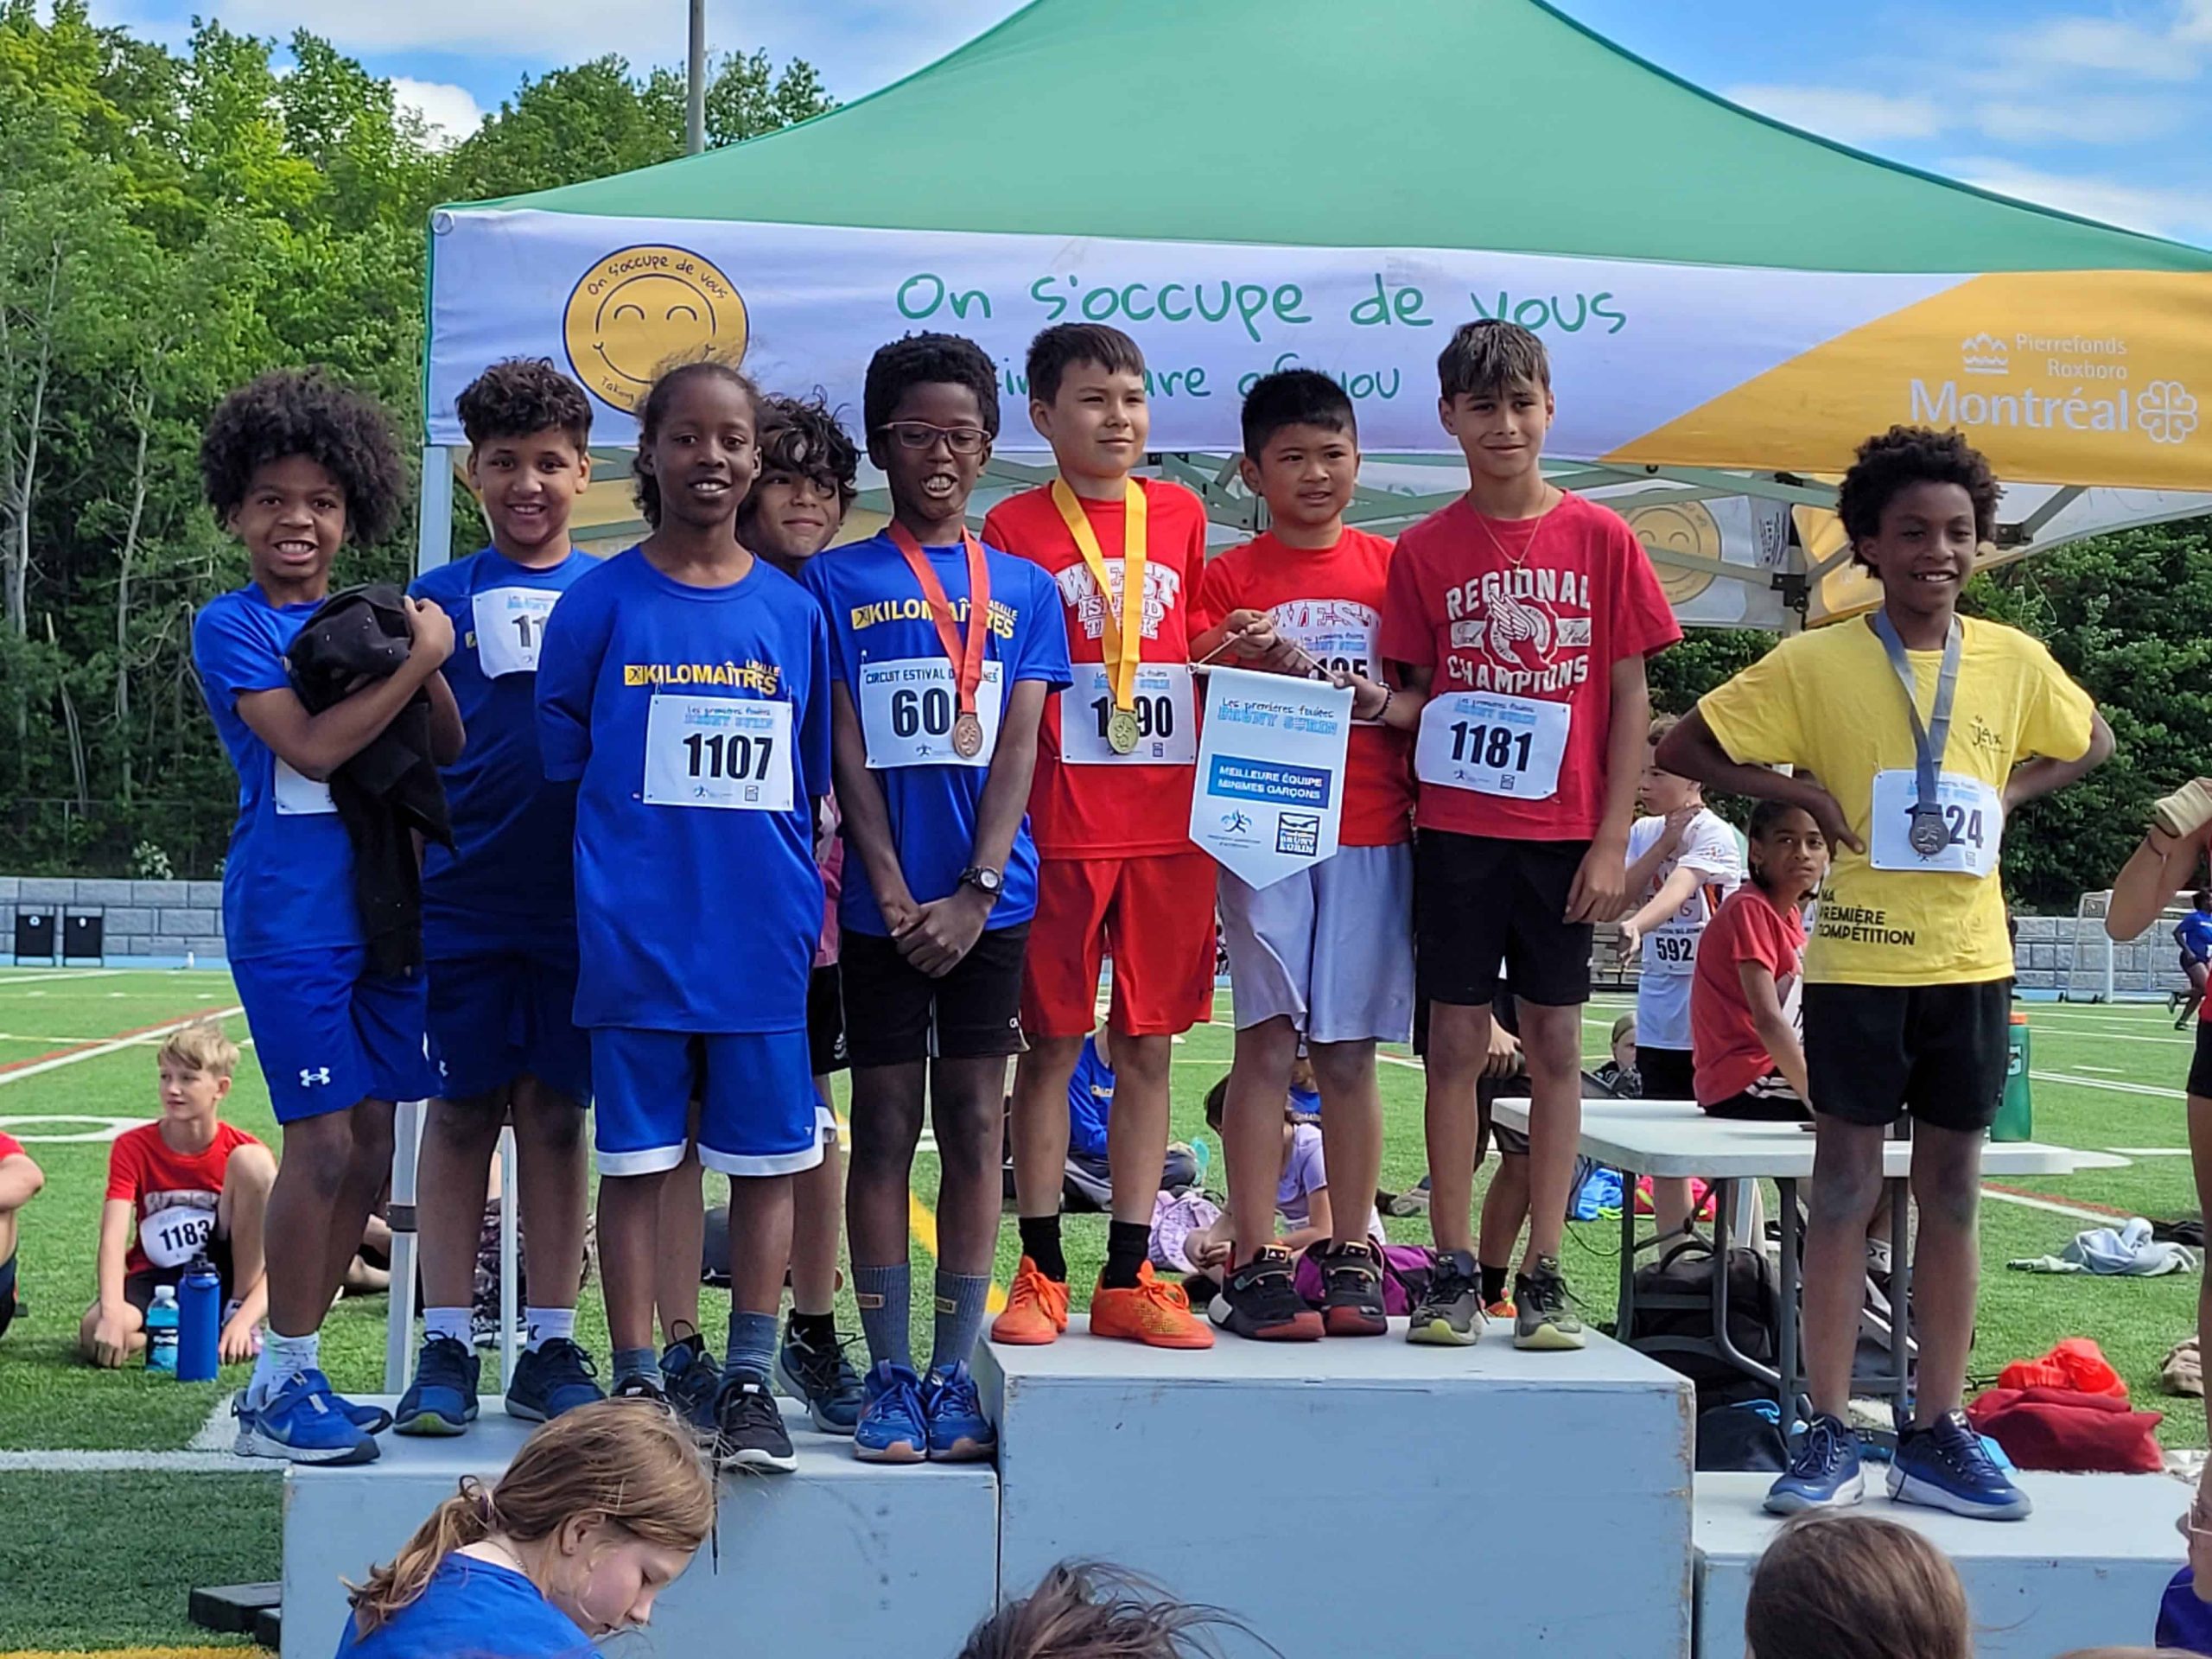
920, 435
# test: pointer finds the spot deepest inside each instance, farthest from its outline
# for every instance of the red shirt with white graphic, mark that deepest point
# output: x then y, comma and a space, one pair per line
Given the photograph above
1329, 601
145, 1170
1126, 810
1539, 609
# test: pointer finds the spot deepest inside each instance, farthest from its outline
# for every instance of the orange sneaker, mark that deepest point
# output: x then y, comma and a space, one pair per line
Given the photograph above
1036, 1310
1154, 1313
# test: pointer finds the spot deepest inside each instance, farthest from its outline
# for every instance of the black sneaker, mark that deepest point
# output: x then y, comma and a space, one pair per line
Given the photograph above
554, 1377
442, 1399
1544, 1319
1259, 1300
693, 1380
823, 1378
1450, 1315
749, 1432
638, 1386
1351, 1295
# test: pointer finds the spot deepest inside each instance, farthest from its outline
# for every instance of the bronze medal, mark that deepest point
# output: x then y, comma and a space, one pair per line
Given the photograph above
1122, 731
967, 736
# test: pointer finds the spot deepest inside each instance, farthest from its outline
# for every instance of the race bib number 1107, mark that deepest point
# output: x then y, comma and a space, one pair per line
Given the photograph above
731, 753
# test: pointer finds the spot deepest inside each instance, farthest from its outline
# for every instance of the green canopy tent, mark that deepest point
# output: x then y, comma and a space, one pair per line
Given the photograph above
1731, 304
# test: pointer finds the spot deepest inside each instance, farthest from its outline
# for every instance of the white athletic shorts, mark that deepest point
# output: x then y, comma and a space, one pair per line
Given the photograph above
1332, 947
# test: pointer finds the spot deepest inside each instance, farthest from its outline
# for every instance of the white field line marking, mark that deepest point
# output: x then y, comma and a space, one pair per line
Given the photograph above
2150, 1152
60, 973
2027, 1203
2116, 1088
204, 1463
116, 1046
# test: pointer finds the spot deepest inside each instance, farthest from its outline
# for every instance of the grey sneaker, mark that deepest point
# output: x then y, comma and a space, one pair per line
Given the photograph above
1450, 1314
1543, 1318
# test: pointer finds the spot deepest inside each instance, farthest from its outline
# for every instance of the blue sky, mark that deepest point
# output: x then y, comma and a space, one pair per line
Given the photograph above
2104, 109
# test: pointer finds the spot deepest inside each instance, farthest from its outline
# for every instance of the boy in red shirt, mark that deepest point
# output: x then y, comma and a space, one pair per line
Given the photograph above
1110, 809
1520, 617
1326, 954
193, 1186
20, 1181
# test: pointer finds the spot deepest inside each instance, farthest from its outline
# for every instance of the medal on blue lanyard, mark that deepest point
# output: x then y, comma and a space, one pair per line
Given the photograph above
1929, 834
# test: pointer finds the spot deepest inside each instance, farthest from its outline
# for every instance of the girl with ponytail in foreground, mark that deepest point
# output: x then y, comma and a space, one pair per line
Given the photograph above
600, 1511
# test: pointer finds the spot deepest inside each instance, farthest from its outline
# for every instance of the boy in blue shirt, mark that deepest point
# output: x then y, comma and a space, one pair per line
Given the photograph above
683, 687
294, 466
944, 652
499, 918
2193, 933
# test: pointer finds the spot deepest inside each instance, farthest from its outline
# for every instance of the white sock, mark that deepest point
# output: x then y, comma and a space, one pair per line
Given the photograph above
281, 1358
447, 1322
550, 1324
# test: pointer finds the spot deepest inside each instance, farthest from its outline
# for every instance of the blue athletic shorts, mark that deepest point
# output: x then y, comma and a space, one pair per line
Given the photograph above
497, 1016
329, 1036
757, 1114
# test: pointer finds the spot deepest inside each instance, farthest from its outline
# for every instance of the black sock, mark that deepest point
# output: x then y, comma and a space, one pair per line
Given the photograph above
1040, 1243
1129, 1245
815, 1329
1493, 1283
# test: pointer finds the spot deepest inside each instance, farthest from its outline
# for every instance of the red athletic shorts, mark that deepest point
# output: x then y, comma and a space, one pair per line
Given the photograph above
1153, 915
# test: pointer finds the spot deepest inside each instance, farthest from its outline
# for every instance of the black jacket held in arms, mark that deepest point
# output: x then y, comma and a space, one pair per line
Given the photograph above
390, 790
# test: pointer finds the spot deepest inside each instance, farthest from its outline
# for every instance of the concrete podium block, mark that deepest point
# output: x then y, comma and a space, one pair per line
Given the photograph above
862, 1558
2085, 1570
1464, 1470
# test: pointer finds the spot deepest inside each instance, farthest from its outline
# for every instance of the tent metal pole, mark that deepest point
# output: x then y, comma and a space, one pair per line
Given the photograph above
434, 519
695, 100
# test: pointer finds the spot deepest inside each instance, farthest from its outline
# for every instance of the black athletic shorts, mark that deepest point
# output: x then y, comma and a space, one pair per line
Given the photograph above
1770, 1099
826, 1021
1668, 1073
1875, 1052
7, 1294
138, 1288
1478, 901
2200, 1069
895, 1014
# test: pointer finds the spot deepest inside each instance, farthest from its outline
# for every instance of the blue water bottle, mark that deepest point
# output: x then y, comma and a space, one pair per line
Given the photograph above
199, 1322
160, 1330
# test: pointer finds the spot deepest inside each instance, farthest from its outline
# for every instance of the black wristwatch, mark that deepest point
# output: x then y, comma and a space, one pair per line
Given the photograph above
986, 881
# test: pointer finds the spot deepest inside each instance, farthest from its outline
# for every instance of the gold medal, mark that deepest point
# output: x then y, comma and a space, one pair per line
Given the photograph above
1122, 731
967, 736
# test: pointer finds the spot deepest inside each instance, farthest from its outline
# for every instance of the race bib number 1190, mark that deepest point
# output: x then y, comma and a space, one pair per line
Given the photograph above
1168, 726
732, 753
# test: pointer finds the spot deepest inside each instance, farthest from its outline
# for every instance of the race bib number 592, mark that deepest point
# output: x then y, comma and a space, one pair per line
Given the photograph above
731, 753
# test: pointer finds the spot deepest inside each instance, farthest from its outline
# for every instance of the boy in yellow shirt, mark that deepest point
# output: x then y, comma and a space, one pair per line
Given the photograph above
1925, 732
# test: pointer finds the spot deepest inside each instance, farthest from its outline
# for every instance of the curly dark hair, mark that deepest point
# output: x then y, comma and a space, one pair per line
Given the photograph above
645, 488
1903, 456
521, 396
953, 359
802, 435
291, 412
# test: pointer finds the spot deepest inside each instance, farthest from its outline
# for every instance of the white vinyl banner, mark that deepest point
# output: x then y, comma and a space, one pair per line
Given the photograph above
1634, 345
1271, 773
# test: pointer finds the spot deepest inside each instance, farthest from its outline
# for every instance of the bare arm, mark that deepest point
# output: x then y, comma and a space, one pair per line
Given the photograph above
1692, 750
1775, 1030
317, 745
1320, 1223
20, 1181
946, 928
448, 737
1601, 884
2044, 776
2159, 868
111, 1340
1673, 892
867, 819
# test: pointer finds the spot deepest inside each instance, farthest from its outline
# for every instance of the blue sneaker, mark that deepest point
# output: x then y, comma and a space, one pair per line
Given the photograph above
1823, 1470
959, 1433
692, 1377
442, 1399
894, 1424
1945, 1467
303, 1422
821, 1376
550, 1379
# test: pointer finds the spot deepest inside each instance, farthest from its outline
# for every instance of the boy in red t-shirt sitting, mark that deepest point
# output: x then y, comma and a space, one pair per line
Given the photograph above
20, 1181
1520, 617
195, 1185
1750, 1060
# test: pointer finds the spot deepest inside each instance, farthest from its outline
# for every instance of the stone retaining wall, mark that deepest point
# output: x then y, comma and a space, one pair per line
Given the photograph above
159, 919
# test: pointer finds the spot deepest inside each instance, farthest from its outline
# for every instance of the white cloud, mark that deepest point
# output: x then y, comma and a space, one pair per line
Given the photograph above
2083, 120
451, 110
2073, 45
2161, 212
1845, 113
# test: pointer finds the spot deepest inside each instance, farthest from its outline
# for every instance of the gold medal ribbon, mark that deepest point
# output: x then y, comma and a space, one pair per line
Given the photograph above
1122, 642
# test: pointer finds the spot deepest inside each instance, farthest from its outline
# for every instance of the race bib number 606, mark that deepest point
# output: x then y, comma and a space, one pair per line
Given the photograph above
731, 753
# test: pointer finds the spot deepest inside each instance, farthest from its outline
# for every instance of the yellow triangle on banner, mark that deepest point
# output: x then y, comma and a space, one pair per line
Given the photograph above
2090, 377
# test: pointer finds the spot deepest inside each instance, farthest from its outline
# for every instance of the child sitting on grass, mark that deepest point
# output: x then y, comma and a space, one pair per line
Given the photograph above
193, 1186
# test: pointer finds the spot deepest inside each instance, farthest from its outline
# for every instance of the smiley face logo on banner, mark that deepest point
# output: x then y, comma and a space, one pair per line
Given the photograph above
637, 310
1678, 527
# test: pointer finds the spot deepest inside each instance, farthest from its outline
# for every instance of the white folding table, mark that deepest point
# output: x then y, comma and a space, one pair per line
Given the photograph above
1673, 1138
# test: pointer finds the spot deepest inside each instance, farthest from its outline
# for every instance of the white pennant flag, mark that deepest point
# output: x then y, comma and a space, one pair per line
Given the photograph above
1271, 773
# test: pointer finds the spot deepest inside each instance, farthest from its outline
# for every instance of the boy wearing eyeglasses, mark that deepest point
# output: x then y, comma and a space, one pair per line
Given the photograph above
1112, 805
942, 653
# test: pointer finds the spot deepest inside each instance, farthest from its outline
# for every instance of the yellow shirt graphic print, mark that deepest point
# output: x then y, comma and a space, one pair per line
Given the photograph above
1829, 703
